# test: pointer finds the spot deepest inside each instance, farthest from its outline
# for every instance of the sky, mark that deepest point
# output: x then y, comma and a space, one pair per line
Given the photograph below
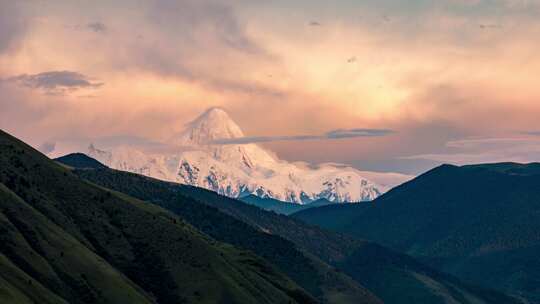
449, 81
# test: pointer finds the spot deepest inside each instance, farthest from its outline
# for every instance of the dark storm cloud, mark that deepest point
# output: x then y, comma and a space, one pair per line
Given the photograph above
55, 82
335, 134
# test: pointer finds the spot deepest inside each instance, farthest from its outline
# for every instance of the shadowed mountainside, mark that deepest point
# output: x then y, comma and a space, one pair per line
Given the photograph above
65, 240
393, 277
310, 272
480, 223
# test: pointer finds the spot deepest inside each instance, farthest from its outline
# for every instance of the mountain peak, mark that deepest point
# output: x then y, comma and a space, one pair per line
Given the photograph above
213, 111
214, 123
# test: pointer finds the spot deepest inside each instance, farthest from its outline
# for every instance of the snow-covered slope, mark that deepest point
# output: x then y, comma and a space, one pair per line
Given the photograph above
238, 170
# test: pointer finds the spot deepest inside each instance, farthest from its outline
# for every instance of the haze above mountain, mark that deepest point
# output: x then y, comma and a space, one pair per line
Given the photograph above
238, 170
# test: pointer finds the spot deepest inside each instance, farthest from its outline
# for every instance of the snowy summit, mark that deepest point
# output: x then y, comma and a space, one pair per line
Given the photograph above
237, 170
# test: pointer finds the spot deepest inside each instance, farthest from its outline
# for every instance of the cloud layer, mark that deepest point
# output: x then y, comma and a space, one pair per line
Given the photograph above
487, 150
437, 71
55, 82
335, 134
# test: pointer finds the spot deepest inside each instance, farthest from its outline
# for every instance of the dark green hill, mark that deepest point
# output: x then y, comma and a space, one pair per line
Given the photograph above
315, 276
64, 240
394, 277
281, 207
480, 223
81, 161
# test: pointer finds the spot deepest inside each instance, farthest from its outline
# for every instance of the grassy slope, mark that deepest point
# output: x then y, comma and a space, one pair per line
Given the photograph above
393, 277
64, 239
305, 269
30, 238
480, 223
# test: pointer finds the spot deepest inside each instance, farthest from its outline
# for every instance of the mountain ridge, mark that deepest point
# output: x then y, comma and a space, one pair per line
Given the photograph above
80, 160
307, 270
66, 240
393, 277
237, 170
477, 222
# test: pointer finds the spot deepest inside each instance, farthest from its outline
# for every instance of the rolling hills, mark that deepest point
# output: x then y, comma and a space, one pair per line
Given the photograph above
394, 277
310, 272
65, 240
480, 223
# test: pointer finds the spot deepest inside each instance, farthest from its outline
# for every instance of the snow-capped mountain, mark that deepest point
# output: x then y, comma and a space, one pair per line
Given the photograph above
239, 169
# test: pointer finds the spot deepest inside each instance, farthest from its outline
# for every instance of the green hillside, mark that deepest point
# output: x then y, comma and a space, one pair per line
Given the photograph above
394, 277
315, 276
480, 223
64, 240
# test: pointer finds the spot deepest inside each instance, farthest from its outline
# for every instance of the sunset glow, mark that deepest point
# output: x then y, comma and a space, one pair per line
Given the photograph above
434, 72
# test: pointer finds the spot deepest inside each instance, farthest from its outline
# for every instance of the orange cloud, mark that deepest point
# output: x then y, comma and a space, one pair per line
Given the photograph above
429, 69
